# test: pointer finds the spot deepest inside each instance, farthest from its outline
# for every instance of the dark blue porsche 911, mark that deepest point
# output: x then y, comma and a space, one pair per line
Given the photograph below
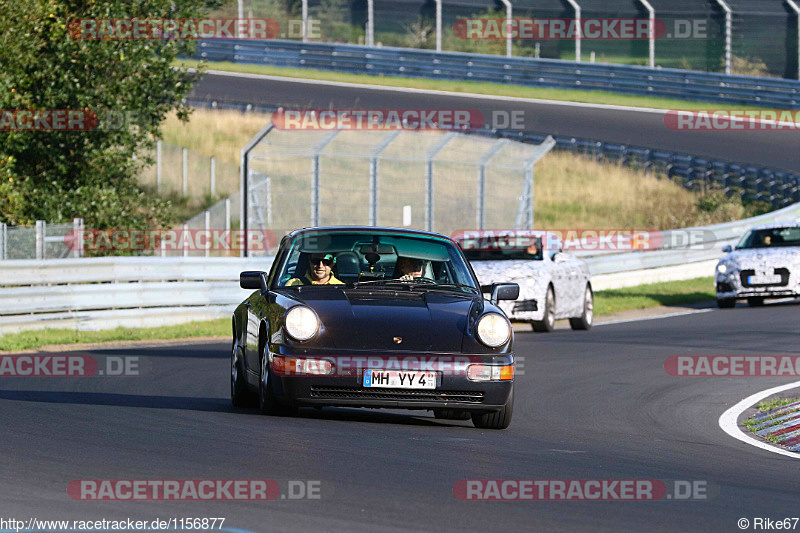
374, 317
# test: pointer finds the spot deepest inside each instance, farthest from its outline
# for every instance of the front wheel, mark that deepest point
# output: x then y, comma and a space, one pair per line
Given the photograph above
240, 394
726, 303
267, 401
496, 419
584, 321
548, 323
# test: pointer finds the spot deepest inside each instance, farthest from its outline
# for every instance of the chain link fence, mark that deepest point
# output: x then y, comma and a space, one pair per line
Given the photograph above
40, 241
439, 182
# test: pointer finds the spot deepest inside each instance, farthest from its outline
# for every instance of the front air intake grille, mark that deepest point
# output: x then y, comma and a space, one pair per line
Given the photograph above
361, 393
526, 306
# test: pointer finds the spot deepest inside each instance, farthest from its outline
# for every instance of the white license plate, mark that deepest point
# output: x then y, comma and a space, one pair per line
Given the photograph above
398, 379
764, 279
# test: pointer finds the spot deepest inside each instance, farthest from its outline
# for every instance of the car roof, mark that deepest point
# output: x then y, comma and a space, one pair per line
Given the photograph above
370, 229
777, 224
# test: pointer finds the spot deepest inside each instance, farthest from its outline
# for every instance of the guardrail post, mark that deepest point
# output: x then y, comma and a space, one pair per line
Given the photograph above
40, 230
158, 166
796, 10
213, 186
577, 9
185, 168
3, 241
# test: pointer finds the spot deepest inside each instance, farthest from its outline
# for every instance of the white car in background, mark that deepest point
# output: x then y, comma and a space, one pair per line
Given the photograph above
552, 284
765, 264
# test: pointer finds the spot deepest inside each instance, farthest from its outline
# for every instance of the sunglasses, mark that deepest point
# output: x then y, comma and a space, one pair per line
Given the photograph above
326, 262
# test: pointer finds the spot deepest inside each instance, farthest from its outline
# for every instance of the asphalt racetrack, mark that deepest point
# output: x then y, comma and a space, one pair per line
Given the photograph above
593, 405
773, 149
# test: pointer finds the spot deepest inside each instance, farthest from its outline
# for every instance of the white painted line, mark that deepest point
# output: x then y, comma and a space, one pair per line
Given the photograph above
429, 91
656, 317
728, 419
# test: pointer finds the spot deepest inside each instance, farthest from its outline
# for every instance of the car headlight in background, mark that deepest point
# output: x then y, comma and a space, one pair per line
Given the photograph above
493, 330
301, 323
722, 268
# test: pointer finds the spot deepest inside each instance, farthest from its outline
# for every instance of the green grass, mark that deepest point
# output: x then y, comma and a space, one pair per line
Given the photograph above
27, 340
652, 295
768, 405
593, 97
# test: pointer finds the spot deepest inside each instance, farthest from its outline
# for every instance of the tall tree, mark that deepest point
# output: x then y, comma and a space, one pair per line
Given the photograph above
130, 85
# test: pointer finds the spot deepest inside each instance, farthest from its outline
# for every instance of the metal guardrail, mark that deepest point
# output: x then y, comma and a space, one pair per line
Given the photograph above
547, 73
110, 291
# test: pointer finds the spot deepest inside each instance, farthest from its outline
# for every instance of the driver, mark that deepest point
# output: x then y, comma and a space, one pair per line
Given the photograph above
320, 272
409, 268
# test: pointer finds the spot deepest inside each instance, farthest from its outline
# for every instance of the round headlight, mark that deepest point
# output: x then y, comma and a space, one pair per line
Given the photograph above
301, 323
493, 330
722, 268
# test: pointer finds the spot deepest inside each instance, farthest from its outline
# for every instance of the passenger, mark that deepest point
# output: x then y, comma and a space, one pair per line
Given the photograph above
408, 268
320, 272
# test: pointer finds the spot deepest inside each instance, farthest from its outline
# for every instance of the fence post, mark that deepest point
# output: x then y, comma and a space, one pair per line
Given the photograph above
796, 10
507, 4
577, 9
213, 176
429, 178
185, 240
370, 35
185, 167
207, 225
40, 229
728, 30
304, 11
652, 32
3, 241
158, 166
438, 25
77, 237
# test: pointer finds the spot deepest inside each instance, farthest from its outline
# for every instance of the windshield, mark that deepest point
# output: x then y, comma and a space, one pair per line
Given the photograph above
770, 238
380, 258
532, 252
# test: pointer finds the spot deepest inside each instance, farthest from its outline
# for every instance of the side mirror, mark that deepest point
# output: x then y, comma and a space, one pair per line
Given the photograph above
560, 258
727, 248
504, 291
253, 279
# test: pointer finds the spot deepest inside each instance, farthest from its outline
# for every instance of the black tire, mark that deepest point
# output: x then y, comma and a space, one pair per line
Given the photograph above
499, 419
547, 324
755, 302
584, 322
268, 403
241, 396
726, 303
451, 414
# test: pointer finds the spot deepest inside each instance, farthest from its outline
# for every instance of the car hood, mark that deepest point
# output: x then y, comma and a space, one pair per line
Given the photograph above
510, 271
765, 257
370, 319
